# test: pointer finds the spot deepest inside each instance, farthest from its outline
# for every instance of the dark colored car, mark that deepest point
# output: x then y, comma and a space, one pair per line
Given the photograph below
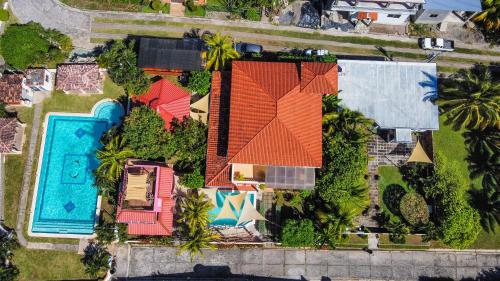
248, 48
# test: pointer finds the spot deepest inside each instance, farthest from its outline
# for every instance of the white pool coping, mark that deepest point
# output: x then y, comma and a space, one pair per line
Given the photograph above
38, 171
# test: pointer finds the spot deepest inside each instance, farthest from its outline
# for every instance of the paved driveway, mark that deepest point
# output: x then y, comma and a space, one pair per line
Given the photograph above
310, 264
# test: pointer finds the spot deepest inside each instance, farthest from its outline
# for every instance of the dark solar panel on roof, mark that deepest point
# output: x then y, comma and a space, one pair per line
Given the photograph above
172, 54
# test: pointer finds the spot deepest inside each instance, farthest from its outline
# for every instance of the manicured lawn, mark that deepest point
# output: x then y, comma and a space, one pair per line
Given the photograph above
390, 182
38, 265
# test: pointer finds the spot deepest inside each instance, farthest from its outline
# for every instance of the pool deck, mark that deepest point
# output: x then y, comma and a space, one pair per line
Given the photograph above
40, 159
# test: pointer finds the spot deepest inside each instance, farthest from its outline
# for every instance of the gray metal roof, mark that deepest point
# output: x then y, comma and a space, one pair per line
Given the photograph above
453, 5
394, 94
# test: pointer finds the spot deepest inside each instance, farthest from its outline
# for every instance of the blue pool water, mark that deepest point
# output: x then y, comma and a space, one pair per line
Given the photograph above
221, 196
66, 198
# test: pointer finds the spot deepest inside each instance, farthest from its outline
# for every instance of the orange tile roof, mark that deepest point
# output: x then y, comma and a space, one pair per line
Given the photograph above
169, 100
274, 117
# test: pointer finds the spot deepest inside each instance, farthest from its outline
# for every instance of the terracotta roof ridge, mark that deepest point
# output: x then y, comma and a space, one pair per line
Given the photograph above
258, 86
258, 133
178, 98
218, 174
296, 138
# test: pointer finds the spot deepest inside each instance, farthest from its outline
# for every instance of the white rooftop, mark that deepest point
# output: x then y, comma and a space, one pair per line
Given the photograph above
394, 94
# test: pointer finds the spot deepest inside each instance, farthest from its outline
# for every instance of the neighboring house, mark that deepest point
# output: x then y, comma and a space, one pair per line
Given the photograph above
145, 200
391, 12
168, 100
447, 11
11, 136
269, 130
171, 55
11, 89
398, 96
19, 89
84, 78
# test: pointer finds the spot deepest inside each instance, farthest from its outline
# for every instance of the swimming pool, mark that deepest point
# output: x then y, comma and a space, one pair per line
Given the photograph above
221, 196
65, 200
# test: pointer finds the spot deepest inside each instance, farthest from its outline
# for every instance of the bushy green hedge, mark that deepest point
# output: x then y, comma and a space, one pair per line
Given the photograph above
252, 14
414, 209
298, 233
199, 82
4, 15
192, 180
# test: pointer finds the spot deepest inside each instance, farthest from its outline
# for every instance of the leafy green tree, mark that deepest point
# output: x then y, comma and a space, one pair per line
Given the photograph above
471, 99
9, 273
414, 209
113, 157
200, 82
121, 61
194, 215
144, 133
24, 45
189, 144
107, 187
298, 233
105, 233
490, 16
96, 260
193, 180
458, 223
221, 51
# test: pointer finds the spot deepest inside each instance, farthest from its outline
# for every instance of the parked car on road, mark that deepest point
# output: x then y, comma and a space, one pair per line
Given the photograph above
248, 48
436, 44
316, 52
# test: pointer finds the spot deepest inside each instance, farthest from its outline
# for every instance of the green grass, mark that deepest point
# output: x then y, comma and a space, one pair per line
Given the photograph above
293, 34
104, 5
165, 9
199, 11
389, 175
38, 265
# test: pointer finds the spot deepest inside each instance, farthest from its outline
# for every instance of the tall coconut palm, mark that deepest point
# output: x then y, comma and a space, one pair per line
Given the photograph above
350, 123
488, 205
471, 99
333, 224
198, 241
194, 213
220, 51
96, 260
113, 157
490, 16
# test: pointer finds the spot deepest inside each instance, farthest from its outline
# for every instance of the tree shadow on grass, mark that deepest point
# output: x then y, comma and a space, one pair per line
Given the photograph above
392, 197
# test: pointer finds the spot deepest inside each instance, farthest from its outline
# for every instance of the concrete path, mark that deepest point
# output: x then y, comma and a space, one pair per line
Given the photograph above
134, 262
28, 169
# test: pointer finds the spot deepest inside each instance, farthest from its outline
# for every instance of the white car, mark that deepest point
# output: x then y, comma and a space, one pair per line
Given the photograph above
436, 44
319, 52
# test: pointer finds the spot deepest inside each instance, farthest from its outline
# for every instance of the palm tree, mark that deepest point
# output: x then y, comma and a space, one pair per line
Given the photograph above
485, 141
220, 51
194, 213
198, 241
488, 205
490, 16
471, 99
333, 224
96, 260
113, 158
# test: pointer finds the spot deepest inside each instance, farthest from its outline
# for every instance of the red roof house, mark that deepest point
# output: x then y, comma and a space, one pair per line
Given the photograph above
269, 130
169, 100
145, 201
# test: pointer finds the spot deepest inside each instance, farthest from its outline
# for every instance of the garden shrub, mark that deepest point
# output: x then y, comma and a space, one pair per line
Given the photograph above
105, 233
252, 14
199, 82
392, 198
298, 233
156, 5
192, 180
188, 145
4, 15
414, 209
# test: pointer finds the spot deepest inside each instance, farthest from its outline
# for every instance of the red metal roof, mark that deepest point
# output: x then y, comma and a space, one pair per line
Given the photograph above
169, 100
147, 222
274, 117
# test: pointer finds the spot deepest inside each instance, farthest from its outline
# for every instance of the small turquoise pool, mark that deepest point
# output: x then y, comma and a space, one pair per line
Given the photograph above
221, 197
66, 198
